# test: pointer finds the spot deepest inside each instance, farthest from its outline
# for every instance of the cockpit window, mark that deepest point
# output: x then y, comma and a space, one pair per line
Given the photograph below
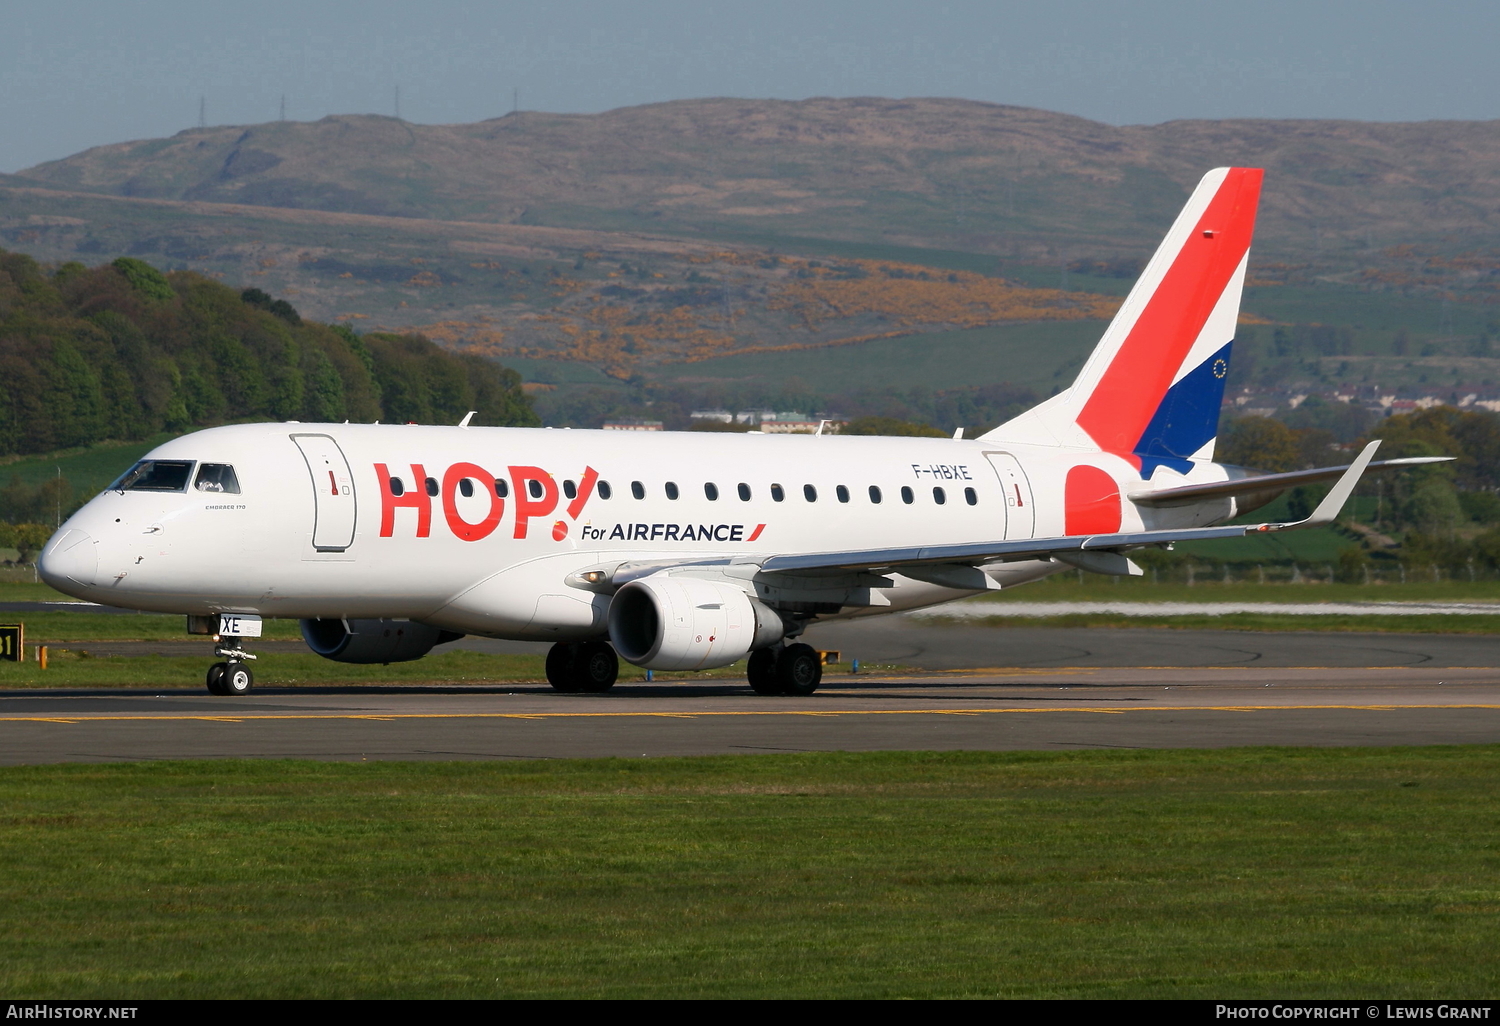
156, 476
219, 477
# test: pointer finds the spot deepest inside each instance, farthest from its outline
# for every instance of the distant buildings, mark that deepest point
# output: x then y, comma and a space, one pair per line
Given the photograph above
771, 422
712, 416
1381, 402
632, 424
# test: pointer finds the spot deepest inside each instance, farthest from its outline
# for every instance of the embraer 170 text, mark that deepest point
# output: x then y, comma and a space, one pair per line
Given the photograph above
684, 551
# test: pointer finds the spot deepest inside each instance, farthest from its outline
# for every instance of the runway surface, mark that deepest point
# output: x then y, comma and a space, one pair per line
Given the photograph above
971, 688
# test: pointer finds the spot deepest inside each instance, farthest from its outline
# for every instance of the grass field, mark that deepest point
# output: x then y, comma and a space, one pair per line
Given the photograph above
1040, 355
1240, 873
92, 469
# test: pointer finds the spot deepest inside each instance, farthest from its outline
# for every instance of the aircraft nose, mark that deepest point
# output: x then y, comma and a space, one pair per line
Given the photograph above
72, 556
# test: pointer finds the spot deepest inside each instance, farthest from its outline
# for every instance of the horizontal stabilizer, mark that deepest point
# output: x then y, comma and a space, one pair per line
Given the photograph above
1187, 495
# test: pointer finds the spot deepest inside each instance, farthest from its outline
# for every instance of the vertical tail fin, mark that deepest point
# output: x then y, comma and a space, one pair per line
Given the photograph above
1151, 391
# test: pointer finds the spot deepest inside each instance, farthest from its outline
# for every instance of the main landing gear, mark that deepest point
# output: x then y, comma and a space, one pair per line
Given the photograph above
233, 676
590, 666
785, 670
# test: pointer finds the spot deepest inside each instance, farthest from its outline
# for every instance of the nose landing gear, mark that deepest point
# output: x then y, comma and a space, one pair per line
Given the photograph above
231, 677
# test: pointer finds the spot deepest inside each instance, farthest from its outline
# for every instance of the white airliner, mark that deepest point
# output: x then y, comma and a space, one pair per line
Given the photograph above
691, 550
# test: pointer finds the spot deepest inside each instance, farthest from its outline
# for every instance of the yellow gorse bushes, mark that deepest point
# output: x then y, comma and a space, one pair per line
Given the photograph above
919, 297
771, 304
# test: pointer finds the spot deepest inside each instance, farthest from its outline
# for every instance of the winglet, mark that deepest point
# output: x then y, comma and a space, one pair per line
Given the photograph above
1333, 502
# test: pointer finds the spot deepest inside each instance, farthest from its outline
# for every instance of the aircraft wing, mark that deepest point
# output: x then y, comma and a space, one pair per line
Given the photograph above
965, 555
977, 553
1187, 494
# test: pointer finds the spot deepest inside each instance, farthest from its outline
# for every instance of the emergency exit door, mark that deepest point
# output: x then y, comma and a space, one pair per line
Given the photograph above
1020, 516
333, 492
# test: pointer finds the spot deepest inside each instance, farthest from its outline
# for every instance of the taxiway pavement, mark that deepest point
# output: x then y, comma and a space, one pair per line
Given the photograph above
1410, 689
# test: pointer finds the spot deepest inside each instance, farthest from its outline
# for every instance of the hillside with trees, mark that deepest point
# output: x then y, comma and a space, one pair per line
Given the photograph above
122, 351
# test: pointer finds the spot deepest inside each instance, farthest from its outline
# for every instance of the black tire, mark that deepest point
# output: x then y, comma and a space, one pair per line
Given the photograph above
596, 667
761, 669
237, 679
799, 670
561, 660
215, 679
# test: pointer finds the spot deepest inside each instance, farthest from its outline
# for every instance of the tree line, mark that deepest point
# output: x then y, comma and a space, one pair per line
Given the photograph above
122, 351
1445, 515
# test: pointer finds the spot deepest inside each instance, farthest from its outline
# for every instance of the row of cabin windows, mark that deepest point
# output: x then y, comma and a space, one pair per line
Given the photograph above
710, 491
809, 492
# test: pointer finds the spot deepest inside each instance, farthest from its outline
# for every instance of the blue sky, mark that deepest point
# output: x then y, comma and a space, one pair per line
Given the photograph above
79, 74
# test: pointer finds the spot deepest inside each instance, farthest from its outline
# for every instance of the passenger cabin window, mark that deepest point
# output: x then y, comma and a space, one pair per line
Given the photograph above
809, 493
671, 489
432, 486
570, 489
875, 494
971, 497
156, 476
604, 490
711, 491
397, 488
907, 496
502, 487
744, 492
842, 493
939, 496
466, 488
776, 493
217, 477
535, 488
637, 489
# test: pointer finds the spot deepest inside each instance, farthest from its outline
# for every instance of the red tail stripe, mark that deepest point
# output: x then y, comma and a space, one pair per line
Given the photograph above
1132, 387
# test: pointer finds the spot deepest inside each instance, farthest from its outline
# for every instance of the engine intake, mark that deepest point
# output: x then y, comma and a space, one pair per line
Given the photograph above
373, 641
683, 623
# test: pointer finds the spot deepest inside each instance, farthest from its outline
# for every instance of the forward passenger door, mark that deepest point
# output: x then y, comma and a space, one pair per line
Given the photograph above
333, 492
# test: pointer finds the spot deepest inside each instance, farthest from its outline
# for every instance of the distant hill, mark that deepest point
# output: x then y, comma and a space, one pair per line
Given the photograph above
818, 253
951, 174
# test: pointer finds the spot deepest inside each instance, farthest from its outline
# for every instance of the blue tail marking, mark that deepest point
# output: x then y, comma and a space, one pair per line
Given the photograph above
1187, 419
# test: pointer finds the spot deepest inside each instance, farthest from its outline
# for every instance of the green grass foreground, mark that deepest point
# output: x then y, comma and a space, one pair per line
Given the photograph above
1236, 873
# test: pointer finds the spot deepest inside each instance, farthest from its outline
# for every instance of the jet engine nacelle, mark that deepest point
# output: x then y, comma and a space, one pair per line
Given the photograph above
373, 641
683, 623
